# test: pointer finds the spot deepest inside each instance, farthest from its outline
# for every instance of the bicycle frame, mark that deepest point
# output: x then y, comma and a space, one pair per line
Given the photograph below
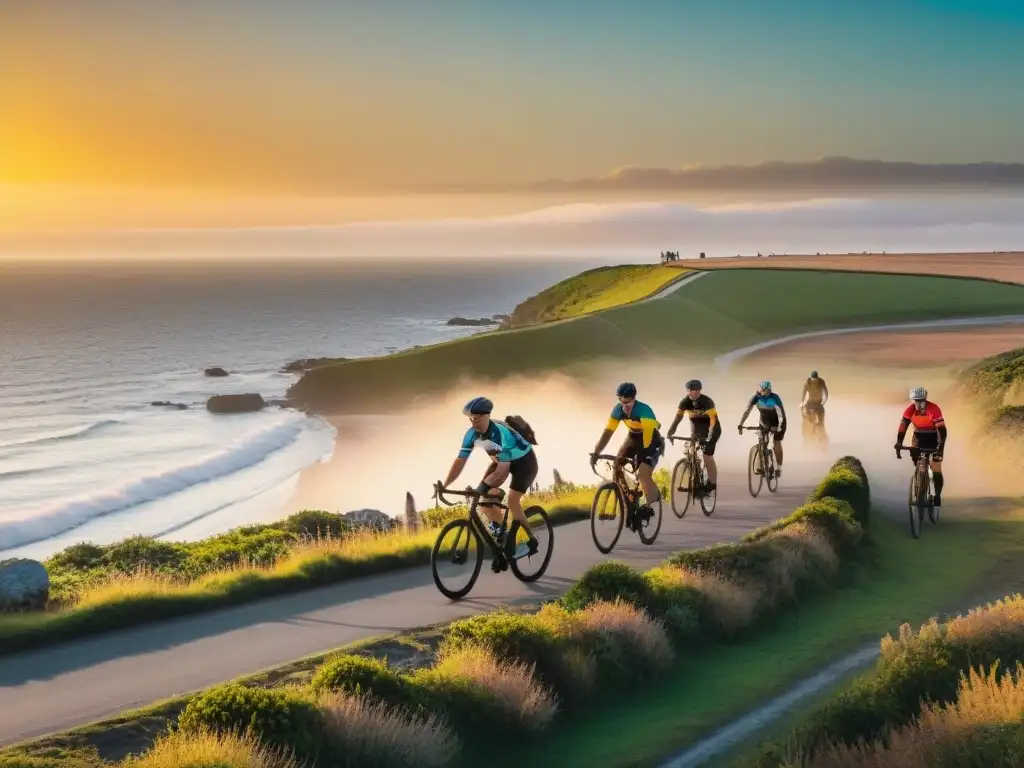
694, 455
475, 521
630, 486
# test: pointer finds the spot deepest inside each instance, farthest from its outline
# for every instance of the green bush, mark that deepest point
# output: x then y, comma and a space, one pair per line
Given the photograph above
144, 552
363, 675
848, 482
277, 716
608, 581
465, 703
833, 517
520, 637
316, 522
82, 556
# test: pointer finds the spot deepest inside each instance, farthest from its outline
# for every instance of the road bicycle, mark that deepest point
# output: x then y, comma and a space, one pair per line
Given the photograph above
761, 464
459, 548
690, 479
920, 497
814, 425
622, 493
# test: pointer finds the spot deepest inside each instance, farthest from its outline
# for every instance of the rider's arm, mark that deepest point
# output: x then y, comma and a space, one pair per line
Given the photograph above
712, 413
805, 393
609, 429
684, 408
781, 412
940, 424
455, 471
904, 423
647, 422
824, 386
499, 474
460, 461
750, 407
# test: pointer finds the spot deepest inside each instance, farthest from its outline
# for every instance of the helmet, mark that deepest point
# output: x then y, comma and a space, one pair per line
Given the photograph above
477, 406
765, 386
626, 389
918, 393
693, 384
814, 374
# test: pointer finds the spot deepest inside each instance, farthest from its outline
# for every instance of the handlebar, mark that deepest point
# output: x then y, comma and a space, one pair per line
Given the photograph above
615, 461
758, 428
469, 493
673, 438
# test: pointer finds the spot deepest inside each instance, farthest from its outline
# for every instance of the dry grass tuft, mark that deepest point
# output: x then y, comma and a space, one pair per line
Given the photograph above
511, 685
206, 749
731, 605
371, 733
805, 536
644, 636
982, 727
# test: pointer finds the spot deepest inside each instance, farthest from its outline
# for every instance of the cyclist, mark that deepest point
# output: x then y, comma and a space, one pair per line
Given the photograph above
815, 394
929, 433
773, 417
510, 454
704, 424
644, 444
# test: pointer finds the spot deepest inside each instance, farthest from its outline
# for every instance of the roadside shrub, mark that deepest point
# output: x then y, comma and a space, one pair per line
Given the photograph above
848, 482
53, 757
483, 693
361, 732
834, 517
83, 555
279, 717
363, 675
703, 602
209, 749
518, 637
144, 553
627, 644
608, 581
316, 523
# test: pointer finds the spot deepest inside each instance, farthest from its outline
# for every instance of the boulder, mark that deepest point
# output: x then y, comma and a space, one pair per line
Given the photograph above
215, 372
308, 363
370, 518
243, 403
168, 404
24, 584
412, 518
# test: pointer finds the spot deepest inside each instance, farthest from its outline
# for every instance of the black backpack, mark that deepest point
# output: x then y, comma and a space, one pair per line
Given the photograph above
518, 423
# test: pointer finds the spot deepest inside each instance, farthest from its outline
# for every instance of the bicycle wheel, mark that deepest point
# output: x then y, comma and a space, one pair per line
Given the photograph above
708, 499
755, 471
648, 529
531, 567
770, 476
933, 511
458, 552
914, 510
681, 487
607, 515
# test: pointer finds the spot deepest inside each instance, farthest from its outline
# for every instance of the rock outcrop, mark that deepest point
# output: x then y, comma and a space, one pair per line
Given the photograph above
412, 518
169, 404
24, 585
370, 518
308, 363
469, 321
215, 371
243, 403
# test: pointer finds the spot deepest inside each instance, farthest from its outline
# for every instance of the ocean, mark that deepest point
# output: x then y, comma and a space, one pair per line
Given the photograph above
86, 347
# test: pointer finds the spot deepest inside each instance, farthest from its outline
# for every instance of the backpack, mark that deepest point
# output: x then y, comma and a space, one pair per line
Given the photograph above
518, 423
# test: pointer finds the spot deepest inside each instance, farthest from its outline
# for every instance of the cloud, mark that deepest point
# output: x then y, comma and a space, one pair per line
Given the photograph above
827, 173
633, 231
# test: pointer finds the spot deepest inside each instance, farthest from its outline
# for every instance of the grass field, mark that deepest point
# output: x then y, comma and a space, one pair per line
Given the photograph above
731, 308
913, 581
593, 290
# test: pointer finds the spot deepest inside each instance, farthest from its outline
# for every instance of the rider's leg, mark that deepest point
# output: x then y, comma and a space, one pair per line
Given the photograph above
937, 478
651, 492
709, 457
523, 472
777, 448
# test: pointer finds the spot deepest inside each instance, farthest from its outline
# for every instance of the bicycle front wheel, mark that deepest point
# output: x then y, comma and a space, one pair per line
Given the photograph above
770, 476
708, 499
914, 508
933, 511
682, 476
607, 515
755, 471
456, 559
531, 567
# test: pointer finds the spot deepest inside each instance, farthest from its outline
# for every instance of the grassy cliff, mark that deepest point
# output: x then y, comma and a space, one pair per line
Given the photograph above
998, 384
593, 290
718, 312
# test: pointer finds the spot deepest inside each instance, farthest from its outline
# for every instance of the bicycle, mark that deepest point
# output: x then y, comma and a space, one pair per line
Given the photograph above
470, 533
814, 424
920, 496
761, 463
624, 492
685, 481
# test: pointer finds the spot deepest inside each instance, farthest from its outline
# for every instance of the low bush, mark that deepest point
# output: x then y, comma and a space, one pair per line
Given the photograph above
211, 749
915, 668
364, 675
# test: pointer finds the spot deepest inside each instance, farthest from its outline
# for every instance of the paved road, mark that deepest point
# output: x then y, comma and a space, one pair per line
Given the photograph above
57, 688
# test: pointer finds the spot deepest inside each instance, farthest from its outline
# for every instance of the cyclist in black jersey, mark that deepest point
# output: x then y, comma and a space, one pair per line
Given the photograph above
704, 424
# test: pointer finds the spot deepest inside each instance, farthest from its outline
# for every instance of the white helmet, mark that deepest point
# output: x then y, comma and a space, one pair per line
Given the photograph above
919, 393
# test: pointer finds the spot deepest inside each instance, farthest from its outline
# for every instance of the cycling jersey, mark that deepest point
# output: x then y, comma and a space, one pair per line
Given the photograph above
702, 411
639, 421
931, 420
769, 407
499, 441
815, 390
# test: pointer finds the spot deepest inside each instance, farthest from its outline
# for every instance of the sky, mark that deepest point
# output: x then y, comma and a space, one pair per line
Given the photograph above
361, 98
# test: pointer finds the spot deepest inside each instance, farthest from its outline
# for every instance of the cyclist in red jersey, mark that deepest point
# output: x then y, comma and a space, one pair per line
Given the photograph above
929, 433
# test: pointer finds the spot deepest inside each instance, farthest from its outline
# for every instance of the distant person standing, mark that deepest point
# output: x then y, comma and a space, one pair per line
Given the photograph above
815, 393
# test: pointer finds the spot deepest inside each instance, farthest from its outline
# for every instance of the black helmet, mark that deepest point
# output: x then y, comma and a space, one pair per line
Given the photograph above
477, 406
626, 389
693, 384
814, 374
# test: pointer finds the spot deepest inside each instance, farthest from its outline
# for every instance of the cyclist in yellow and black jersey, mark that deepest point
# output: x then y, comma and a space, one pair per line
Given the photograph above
704, 424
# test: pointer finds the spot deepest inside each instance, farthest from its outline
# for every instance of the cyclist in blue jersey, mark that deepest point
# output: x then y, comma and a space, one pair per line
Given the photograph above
773, 416
511, 455
643, 443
